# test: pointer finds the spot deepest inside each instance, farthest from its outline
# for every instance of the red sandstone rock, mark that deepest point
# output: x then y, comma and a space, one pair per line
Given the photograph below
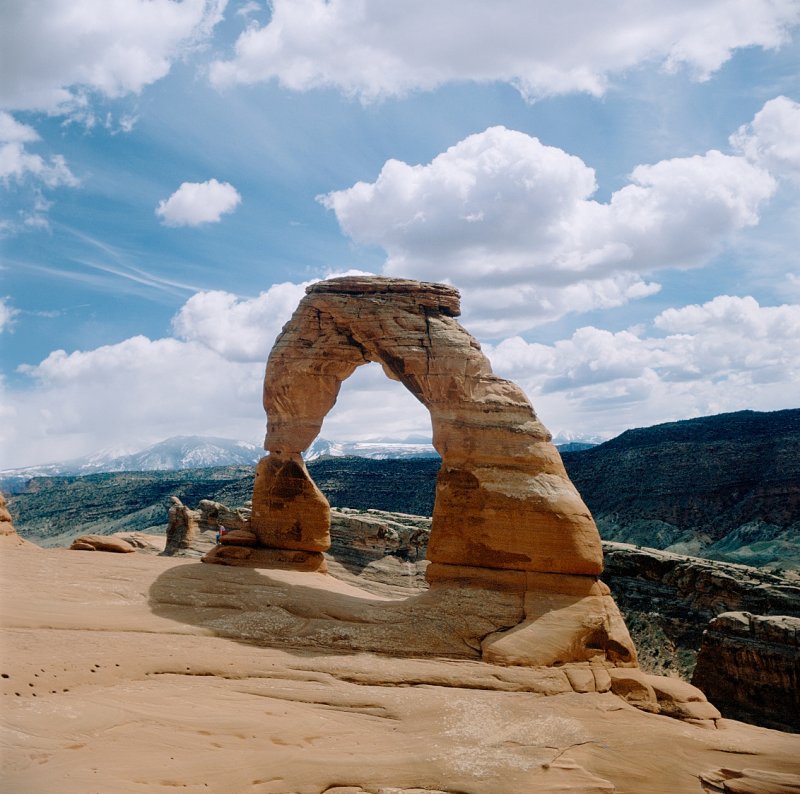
248, 557
750, 666
239, 537
289, 511
503, 499
182, 527
750, 781
633, 686
6, 527
101, 543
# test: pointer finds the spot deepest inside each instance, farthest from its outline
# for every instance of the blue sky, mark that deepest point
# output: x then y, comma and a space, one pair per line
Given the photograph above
615, 190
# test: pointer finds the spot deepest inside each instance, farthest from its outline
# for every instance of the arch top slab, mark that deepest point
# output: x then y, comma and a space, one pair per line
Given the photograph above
503, 498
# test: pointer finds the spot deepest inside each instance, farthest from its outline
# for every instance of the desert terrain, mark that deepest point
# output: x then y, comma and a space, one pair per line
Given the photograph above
133, 672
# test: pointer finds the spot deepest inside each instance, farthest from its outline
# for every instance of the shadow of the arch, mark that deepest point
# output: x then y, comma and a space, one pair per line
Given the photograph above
314, 612
311, 611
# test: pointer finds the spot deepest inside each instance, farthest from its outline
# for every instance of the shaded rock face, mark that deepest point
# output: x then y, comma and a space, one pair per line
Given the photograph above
749, 666
503, 499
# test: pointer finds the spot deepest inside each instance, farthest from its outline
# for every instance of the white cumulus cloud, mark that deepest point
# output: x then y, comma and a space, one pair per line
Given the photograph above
208, 382
772, 138
514, 224
132, 393
383, 48
238, 329
727, 354
18, 163
195, 203
52, 51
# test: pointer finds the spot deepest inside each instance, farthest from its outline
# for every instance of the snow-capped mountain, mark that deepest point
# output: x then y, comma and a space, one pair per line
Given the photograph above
178, 452
573, 442
377, 450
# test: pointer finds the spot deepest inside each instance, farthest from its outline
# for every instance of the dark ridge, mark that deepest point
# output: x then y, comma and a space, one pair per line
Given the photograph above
710, 475
400, 486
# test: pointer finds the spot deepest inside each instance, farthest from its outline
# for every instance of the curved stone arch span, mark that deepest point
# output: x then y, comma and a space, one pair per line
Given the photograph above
503, 498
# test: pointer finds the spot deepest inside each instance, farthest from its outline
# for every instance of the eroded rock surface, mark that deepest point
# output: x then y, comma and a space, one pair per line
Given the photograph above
134, 672
182, 527
215, 516
668, 599
8, 535
102, 543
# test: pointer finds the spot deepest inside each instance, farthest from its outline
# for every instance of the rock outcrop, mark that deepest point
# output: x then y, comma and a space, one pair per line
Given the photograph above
102, 543
749, 665
668, 599
506, 516
503, 499
6, 527
8, 535
182, 527
749, 781
132, 672
215, 516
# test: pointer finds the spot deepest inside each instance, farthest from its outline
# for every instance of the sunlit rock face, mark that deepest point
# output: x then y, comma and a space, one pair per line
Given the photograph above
503, 499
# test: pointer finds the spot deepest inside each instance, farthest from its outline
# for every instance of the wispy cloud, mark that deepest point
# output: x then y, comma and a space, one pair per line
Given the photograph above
113, 263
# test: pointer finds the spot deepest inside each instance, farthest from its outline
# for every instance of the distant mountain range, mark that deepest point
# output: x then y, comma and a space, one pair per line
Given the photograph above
375, 450
173, 454
202, 452
725, 487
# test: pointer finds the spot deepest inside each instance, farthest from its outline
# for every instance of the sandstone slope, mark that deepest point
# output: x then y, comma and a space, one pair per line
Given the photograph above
132, 673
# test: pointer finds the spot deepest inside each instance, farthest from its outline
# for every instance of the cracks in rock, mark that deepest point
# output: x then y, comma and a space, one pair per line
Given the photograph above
429, 347
563, 751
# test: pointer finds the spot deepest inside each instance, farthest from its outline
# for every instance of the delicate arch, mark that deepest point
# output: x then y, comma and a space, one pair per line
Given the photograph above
503, 498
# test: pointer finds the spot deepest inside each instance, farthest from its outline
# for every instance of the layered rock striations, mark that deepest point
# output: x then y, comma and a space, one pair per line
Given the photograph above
749, 665
668, 599
506, 517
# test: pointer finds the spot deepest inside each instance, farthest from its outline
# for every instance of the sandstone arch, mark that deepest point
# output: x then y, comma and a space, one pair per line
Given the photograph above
503, 498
